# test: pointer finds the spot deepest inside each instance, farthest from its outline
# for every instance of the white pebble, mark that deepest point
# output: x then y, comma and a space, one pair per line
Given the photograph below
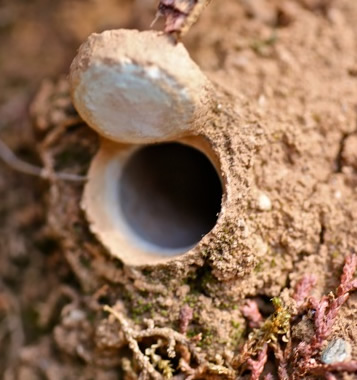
337, 351
264, 202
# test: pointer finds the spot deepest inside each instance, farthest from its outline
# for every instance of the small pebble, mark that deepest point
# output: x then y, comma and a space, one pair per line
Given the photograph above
264, 202
338, 194
338, 350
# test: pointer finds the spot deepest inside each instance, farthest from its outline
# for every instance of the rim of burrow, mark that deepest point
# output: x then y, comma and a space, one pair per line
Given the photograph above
101, 202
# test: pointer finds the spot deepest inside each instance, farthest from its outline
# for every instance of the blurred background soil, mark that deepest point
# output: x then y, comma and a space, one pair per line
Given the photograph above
38, 40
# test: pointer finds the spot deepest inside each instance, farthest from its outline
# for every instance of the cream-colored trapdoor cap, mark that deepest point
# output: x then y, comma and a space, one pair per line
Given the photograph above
137, 87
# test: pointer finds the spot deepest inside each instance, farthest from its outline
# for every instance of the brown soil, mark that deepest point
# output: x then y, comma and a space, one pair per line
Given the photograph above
285, 128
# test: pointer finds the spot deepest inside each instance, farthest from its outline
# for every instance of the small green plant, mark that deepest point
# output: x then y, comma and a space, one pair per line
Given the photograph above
164, 366
274, 332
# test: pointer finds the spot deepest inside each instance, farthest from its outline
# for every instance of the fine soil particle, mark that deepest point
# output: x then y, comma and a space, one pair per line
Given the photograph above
285, 133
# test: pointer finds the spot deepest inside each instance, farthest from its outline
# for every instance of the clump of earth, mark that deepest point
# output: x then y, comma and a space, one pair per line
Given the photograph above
286, 74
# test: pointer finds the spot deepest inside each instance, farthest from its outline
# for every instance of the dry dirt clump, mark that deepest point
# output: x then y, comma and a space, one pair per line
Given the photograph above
284, 128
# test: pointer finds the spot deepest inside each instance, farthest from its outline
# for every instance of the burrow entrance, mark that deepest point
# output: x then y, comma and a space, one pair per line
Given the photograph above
170, 195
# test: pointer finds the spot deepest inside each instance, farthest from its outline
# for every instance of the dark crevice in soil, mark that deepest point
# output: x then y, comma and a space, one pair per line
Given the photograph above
322, 234
339, 159
203, 277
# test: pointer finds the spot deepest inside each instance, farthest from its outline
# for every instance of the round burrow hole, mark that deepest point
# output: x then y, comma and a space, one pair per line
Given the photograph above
170, 195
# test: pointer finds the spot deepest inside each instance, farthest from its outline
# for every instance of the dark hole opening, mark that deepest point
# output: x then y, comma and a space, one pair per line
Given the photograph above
170, 195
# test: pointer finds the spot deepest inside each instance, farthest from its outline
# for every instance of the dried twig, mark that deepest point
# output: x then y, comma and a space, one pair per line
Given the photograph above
282, 356
47, 310
8, 156
302, 360
129, 333
133, 337
326, 311
180, 15
321, 369
303, 289
330, 376
204, 371
186, 315
251, 312
328, 307
257, 366
269, 376
267, 335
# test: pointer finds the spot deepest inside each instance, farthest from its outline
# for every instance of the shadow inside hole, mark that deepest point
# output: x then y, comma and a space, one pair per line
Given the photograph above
170, 195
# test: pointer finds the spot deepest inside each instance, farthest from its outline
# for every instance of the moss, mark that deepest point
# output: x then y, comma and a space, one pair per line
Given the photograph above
228, 304
278, 323
192, 332
235, 324
223, 306
141, 309
259, 267
259, 45
207, 338
200, 282
205, 253
237, 336
273, 263
164, 313
207, 335
237, 332
335, 254
191, 299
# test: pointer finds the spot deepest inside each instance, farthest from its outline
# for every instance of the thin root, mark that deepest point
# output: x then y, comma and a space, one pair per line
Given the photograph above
15, 163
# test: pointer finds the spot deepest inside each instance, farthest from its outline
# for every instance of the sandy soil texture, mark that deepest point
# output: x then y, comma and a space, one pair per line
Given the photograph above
284, 129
